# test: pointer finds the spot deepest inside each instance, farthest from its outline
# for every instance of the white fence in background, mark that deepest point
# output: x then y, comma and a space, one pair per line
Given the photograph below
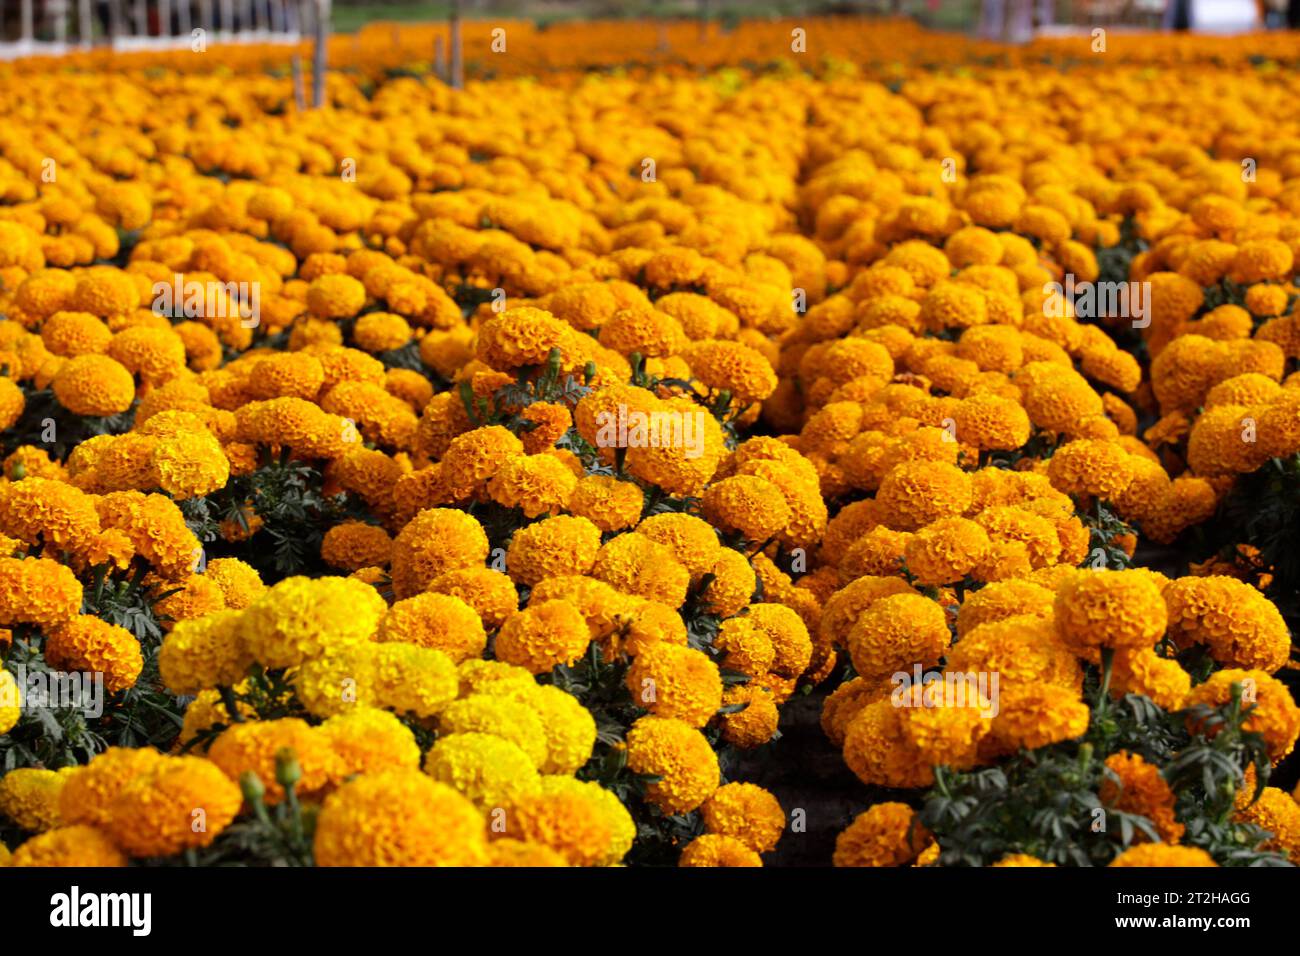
54, 27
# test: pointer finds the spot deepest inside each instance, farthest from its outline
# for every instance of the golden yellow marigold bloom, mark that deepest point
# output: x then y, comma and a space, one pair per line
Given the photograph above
399, 818
252, 746
679, 755
37, 591
1090, 467
895, 633
674, 681
542, 636
189, 465
489, 771
888, 834
1116, 609
718, 850
692, 540
300, 617
1021, 860
1275, 715
561, 545
1163, 855
945, 551
439, 621
1145, 672
1037, 715
916, 493
155, 813
489, 592
754, 725
437, 540
1279, 814
1134, 786
568, 821
335, 297
634, 564
90, 790
94, 385
746, 812
11, 708
86, 643
1240, 627
525, 336
476, 456
353, 545
1020, 649
69, 846
752, 507
508, 852
506, 717
366, 740
609, 504
569, 727
535, 484
30, 798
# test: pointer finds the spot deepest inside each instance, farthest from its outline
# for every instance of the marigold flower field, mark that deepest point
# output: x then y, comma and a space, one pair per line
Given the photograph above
482, 477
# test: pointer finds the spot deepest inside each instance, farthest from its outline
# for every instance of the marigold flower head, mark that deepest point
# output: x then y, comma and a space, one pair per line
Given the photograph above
679, 755
1240, 627
439, 621
399, 818
1116, 609
1163, 855
747, 813
154, 814
367, 740
76, 845
542, 636
437, 540
300, 617
888, 834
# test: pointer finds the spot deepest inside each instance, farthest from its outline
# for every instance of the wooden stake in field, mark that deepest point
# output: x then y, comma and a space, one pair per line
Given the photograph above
84, 27
320, 53
299, 100
457, 62
440, 58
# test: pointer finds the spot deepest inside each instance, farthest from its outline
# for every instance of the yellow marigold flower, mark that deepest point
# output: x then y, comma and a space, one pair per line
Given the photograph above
991, 423
37, 591
536, 484
155, 813
253, 746
746, 649
609, 504
674, 681
1240, 627
505, 717
756, 723
1021, 860
1134, 786
489, 592
525, 336
916, 493
692, 540
476, 456
10, 702
895, 633
69, 846
679, 755
335, 296
104, 292
380, 331
30, 798
1145, 672
353, 545
1002, 600
1116, 609
1037, 715
204, 652
1163, 855
366, 740
1274, 716
408, 678
733, 583
747, 813
543, 636
718, 850
733, 367
399, 818
89, 791
546, 423
189, 465
750, 506
70, 334
570, 729
94, 385
561, 545
437, 540
490, 771
945, 551
888, 834
300, 617
634, 564
1279, 814
1090, 467
566, 821
508, 852
1020, 648
439, 621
